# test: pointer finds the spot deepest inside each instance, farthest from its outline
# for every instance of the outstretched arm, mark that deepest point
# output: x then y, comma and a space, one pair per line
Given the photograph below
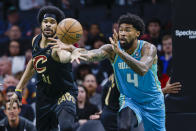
142, 66
102, 53
61, 52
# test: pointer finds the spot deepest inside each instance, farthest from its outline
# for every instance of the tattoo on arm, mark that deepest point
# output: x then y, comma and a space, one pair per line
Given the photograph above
99, 54
142, 66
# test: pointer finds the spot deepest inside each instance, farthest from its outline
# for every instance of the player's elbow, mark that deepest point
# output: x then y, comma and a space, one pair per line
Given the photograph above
143, 71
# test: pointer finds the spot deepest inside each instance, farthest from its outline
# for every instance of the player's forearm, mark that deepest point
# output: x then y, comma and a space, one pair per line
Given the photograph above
29, 71
138, 66
64, 56
97, 54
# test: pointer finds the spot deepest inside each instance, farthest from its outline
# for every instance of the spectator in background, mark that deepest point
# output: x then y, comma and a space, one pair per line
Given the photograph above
26, 110
5, 68
13, 19
14, 53
101, 69
84, 108
30, 4
165, 60
153, 33
2, 100
83, 39
13, 121
81, 71
90, 83
36, 31
94, 31
14, 49
14, 33
9, 80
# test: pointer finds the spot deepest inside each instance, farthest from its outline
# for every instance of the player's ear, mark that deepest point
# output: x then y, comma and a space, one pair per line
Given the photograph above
137, 33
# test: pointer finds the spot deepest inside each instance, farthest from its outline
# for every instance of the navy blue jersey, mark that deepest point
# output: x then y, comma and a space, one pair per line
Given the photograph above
54, 78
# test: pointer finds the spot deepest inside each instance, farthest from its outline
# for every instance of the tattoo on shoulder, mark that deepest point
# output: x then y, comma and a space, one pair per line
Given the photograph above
149, 50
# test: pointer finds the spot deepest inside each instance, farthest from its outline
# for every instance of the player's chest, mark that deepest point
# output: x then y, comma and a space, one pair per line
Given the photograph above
41, 60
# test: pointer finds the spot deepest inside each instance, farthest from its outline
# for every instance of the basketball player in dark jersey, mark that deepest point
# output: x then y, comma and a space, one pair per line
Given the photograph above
56, 88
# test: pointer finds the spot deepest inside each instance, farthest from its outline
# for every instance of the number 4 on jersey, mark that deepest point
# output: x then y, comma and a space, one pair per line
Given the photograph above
133, 80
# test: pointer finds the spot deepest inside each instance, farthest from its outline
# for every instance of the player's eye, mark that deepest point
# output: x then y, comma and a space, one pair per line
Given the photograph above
128, 30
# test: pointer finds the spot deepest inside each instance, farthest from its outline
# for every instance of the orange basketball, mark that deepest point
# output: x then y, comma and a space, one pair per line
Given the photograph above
69, 31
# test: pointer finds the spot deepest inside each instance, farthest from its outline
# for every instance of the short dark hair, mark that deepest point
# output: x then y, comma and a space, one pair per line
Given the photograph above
134, 20
154, 20
50, 9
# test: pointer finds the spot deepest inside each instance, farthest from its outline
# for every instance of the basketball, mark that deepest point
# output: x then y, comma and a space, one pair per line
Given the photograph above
69, 31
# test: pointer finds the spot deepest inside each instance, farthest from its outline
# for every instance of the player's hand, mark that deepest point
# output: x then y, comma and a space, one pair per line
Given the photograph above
114, 42
56, 43
172, 88
12, 99
77, 55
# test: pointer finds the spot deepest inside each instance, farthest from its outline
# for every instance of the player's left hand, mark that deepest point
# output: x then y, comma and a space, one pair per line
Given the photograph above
56, 43
114, 42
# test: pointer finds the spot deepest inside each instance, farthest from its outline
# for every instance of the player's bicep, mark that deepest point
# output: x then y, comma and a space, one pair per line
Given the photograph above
148, 54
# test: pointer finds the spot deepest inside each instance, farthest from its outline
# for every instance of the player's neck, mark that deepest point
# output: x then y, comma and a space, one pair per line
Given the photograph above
133, 47
44, 42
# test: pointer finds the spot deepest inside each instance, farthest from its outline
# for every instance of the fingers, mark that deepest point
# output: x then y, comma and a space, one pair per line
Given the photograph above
174, 92
78, 61
111, 40
168, 82
52, 39
176, 84
11, 102
52, 44
115, 36
83, 58
72, 60
56, 46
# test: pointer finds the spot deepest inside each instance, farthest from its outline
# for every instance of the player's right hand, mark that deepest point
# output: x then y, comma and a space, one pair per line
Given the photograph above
13, 98
56, 43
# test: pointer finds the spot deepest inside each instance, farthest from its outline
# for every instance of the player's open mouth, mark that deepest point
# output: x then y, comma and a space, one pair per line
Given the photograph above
122, 41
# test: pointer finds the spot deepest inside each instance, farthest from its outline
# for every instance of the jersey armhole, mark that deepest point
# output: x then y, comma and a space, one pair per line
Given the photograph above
34, 40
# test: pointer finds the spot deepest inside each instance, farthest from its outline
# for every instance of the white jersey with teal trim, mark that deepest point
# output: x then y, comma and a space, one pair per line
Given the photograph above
142, 89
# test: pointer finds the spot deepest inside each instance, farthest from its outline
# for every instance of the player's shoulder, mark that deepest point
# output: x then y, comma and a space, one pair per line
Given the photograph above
34, 39
148, 46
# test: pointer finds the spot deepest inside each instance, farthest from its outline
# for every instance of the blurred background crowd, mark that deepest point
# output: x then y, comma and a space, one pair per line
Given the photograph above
18, 25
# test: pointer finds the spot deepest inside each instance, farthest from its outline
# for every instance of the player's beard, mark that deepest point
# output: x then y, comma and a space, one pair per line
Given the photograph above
127, 45
49, 35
